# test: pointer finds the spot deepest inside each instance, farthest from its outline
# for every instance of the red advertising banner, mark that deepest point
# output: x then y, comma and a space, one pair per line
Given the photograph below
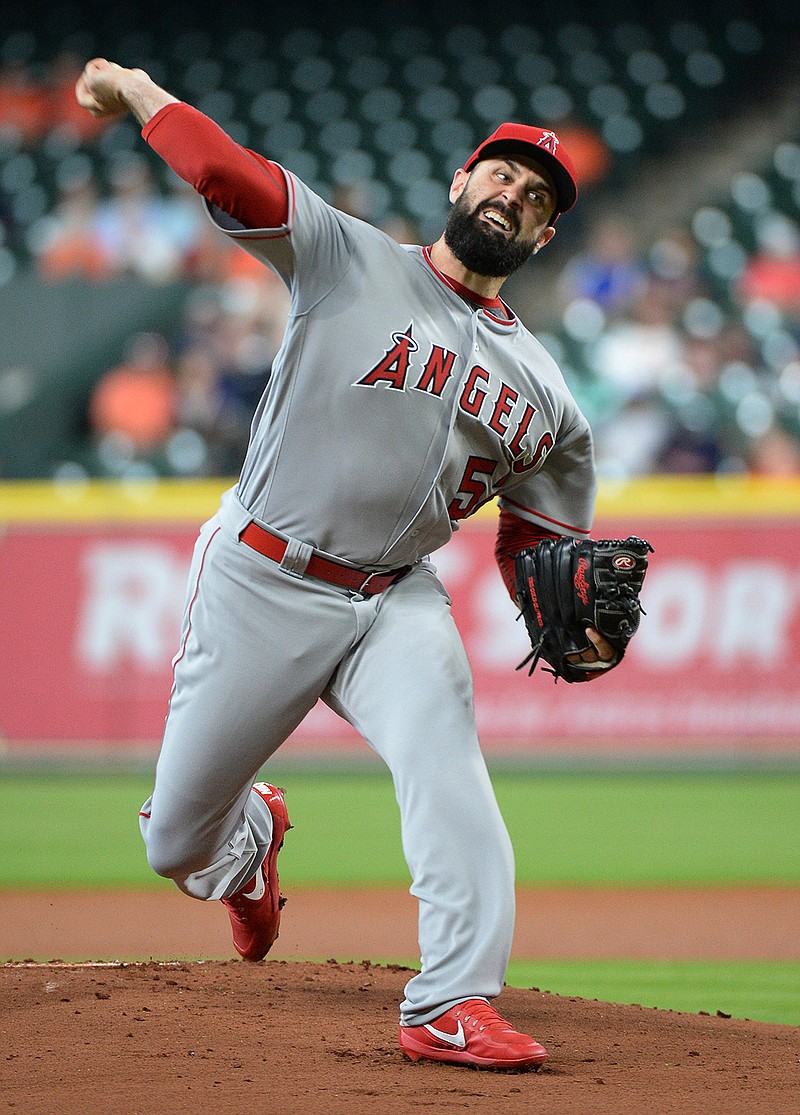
90, 616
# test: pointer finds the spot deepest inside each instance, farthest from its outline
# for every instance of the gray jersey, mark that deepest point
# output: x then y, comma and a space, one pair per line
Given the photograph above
395, 409
380, 430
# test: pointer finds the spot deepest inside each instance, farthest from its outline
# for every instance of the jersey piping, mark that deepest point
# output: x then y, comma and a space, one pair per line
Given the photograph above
546, 518
231, 227
486, 304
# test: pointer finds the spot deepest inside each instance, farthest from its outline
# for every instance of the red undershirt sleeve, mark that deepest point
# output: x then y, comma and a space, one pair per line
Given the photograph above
242, 183
513, 535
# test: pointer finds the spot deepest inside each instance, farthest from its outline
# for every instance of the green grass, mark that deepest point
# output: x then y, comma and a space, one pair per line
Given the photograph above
70, 829
655, 828
761, 990
79, 829
758, 990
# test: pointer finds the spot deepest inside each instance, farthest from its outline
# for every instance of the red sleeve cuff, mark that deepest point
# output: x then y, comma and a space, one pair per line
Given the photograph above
154, 121
513, 535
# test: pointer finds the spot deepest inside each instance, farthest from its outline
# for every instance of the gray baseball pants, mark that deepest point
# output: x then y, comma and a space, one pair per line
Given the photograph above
258, 649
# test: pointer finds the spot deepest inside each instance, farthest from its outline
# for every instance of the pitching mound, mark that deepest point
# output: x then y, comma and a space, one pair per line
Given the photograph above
299, 1037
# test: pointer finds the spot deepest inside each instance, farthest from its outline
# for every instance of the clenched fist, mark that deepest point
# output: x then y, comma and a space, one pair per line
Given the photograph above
98, 88
107, 89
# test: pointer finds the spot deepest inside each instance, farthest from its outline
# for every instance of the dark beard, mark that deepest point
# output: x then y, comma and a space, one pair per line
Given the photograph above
481, 250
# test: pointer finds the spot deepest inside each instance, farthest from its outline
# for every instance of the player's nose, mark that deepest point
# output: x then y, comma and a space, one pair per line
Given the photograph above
512, 195
512, 204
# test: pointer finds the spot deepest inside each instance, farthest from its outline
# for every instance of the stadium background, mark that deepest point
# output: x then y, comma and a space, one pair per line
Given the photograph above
671, 298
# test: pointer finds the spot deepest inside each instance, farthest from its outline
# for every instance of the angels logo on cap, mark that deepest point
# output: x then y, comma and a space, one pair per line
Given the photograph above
537, 143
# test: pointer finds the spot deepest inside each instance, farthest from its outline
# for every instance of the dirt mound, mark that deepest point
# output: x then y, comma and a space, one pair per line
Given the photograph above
301, 1037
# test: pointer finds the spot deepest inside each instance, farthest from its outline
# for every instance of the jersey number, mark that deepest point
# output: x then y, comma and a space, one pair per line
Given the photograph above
475, 487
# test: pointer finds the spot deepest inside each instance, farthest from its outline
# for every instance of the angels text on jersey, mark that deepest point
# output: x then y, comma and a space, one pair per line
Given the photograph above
483, 396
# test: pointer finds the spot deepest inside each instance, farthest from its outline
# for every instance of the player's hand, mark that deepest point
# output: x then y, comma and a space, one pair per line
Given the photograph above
99, 88
601, 655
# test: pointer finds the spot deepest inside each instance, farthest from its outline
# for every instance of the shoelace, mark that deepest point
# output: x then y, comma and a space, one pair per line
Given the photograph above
481, 1016
241, 907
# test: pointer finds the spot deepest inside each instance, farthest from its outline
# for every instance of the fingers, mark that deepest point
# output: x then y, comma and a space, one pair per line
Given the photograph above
96, 89
600, 654
84, 97
604, 650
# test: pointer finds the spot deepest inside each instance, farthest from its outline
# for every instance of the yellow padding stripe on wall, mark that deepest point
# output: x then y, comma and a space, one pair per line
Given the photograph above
660, 497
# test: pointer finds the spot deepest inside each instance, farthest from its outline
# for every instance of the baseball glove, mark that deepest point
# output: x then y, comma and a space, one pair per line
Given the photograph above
565, 585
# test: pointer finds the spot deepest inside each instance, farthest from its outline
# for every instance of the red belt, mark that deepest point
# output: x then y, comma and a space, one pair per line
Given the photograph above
370, 584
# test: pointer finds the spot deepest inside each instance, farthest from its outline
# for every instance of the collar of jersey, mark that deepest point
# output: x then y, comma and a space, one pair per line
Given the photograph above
486, 304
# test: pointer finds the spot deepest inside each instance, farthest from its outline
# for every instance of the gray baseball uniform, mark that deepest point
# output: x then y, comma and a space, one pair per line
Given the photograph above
396, 408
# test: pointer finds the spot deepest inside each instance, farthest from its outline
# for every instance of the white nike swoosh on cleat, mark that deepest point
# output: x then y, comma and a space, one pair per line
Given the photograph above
456, 1039
259, 889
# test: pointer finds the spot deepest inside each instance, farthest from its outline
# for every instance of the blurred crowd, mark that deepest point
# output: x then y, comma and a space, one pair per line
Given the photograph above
132, 229
672, 379
35, 105
680, 369
183, 406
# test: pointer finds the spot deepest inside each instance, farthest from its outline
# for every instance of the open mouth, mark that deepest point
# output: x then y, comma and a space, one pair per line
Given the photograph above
497, 220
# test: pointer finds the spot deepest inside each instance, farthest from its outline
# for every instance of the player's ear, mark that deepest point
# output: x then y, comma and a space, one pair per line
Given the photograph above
460, 179
545, 236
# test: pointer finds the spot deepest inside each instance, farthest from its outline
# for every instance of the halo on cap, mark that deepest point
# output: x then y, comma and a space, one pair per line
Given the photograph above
539, 144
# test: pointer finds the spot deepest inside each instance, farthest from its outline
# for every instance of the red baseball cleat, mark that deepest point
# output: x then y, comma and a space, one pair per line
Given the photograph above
472, 1033
255, 910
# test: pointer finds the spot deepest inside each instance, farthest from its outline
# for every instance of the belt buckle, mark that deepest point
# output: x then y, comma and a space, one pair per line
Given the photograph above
363, 591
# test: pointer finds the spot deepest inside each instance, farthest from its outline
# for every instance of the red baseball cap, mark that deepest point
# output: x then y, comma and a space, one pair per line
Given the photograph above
537, 143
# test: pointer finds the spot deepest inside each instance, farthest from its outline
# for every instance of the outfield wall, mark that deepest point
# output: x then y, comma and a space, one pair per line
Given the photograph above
93, 581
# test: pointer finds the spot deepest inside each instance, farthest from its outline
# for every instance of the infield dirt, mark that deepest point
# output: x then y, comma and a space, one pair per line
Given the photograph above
182, 1036
299, 1037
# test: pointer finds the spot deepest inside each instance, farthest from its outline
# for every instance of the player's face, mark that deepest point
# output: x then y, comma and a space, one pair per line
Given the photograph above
501, 215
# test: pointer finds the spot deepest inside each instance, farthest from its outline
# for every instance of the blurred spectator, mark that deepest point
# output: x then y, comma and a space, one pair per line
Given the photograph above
231, 337
775, 453
673, 263
736, 345
140, 231
66, 118
211, 258
629, 442
608, 270
159, 237
24, 104
67, 243
643, 353
200, 408
133, 407
588, 151
401, 229
250, 334
689, 452
702, 359
773, 272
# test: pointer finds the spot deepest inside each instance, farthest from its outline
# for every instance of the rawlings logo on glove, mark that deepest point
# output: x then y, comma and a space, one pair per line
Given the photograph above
565, 585
581, 584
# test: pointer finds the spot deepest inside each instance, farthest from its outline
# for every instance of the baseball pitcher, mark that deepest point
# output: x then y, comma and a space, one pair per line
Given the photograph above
406, 394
